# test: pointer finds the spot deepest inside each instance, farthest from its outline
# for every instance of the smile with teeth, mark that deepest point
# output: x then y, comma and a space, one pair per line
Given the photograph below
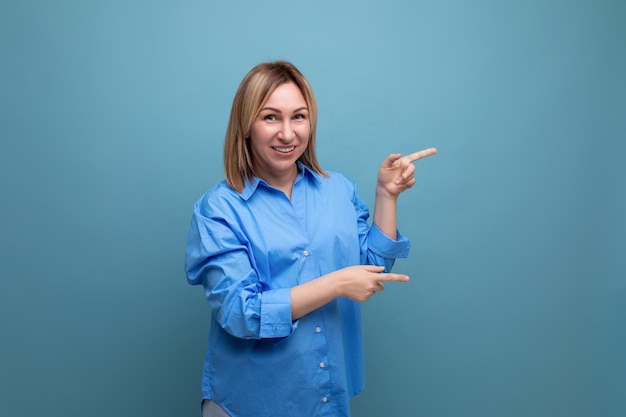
284, 150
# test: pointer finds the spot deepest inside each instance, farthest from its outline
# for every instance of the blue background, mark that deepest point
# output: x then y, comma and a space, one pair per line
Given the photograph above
112, 120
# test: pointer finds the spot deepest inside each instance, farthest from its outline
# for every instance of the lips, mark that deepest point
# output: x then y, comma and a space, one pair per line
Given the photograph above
283, 150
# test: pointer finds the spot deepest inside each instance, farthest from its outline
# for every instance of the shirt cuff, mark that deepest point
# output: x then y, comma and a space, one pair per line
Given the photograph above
276, 314
383, 245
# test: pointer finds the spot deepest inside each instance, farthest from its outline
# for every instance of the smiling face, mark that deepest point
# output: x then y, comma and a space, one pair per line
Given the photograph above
279, 135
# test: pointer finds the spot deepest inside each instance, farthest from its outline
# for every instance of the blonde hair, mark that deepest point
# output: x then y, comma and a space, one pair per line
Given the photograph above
253, 92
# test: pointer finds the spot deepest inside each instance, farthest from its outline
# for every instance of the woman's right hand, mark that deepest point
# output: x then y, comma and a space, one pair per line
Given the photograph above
360, 282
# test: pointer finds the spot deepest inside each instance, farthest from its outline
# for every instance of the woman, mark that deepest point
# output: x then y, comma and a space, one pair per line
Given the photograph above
285, 254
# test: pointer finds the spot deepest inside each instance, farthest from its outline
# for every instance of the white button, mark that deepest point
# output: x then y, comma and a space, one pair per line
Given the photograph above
318, 329
322, 364
325, 399
305, 253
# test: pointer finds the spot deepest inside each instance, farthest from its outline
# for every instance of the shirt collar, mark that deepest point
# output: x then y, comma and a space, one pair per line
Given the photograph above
252, 184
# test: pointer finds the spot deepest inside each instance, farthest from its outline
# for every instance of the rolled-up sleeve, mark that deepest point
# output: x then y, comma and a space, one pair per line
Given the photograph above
376, 247
242, 305
383, 245
276, 314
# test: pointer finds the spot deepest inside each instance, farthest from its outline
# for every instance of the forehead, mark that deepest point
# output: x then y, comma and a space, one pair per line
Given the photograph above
286, 95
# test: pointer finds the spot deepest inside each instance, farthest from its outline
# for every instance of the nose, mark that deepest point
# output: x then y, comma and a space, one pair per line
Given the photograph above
287, 132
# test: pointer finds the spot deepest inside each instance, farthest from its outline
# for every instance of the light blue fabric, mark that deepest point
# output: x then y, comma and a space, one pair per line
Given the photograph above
247, 250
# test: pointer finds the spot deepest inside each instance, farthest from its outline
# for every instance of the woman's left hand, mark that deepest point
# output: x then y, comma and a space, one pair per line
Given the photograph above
397, 172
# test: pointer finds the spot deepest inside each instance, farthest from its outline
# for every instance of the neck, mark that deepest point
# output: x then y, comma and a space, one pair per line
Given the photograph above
283, 182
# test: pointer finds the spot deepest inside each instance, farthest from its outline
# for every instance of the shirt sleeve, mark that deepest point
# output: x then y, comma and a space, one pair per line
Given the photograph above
376, 247
217, 259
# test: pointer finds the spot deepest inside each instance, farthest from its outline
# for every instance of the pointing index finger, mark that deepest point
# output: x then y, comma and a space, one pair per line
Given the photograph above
392, 277
422, 154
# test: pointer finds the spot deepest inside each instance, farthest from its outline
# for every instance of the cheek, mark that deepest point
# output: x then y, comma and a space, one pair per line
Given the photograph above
305, 131
255, 141
258, 135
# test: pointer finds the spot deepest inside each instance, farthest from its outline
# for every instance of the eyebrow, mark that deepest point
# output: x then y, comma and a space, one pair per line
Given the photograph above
278, 111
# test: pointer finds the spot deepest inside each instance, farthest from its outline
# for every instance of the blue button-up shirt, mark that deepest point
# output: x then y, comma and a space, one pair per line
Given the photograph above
248, 249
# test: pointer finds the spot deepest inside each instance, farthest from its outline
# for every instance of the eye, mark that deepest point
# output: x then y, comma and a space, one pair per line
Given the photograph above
269, 117
299, 117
